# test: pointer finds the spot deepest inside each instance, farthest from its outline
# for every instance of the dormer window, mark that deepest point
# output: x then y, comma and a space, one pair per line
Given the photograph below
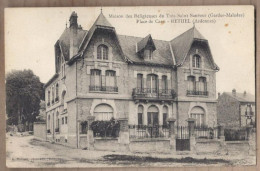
149, 54
102, 52
145, 48
196, 61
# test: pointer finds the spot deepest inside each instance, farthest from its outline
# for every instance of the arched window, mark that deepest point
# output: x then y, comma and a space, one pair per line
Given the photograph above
196, 61
139, 82
164, 84
110, 80
103, 112
95, 80
52, 94
198, 113
191, 83
102, 52
152, 83
57, 92
153, 115
165, 115
140, 114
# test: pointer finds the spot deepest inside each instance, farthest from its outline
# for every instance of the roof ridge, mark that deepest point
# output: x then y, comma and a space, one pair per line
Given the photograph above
143, 37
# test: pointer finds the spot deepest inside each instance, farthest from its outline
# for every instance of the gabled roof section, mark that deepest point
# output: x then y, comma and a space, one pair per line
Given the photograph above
64, 41
101, 22
241, 97
141, 45
182, 43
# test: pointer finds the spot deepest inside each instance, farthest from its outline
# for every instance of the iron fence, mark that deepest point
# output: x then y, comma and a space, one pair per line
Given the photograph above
147, 131
206, 132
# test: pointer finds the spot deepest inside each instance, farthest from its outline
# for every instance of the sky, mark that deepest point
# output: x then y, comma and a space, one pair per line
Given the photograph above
30, 35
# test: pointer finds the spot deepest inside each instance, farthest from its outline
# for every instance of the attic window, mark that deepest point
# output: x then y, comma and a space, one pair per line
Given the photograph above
102, 52
196, 61
149, 54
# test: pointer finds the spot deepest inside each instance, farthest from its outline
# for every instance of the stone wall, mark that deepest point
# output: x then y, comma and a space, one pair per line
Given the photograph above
39, 130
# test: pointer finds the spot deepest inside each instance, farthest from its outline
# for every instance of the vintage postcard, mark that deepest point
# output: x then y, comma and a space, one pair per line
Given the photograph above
130, 86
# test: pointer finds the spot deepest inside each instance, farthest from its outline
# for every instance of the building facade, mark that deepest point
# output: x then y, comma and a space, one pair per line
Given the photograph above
100, 73
236, 109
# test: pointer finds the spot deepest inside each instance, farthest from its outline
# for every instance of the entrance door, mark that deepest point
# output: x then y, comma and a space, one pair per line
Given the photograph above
153, 121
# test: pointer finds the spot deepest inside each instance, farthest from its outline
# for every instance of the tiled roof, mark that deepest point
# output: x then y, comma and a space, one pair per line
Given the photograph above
166, 52
64, 40
162, 54
241, 97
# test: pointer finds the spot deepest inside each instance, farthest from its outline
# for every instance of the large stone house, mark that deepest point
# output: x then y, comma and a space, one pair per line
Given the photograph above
236, 109
103, 74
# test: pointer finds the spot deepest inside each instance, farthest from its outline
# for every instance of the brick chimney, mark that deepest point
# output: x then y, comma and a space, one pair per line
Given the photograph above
234, 92
73, 20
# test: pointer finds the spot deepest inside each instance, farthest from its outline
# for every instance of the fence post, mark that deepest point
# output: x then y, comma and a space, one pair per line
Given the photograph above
223, 146
251, 139
191, 125
172, 134
123, 138
90, 133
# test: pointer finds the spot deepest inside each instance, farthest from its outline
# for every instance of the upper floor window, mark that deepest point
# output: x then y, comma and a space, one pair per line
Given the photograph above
152, 83
196, 61
164, 82
139, 81
57, 92
95, 78
110, 78
165, 115
49, 97
202, 84
102, 52
191, 83
150, 54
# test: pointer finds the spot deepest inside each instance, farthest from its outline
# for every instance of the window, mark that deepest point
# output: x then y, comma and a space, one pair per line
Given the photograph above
140, 114
139, 81
48, 123
165, 115
49, 97
196, 60
57, 92
153, 115
110, 78
202, 84
191, 83
84, 127
102, 52
95, 80
63, 100
57, 120
66, 119
103, 112
164, 83
62, 120
150, 54
152, 83
198, 114
52, 94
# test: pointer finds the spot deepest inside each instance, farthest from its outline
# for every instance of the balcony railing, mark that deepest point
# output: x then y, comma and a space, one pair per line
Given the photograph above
103, 88
197, 93
152, 93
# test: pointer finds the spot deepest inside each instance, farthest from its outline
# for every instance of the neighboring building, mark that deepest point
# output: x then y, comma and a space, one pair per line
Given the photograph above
103, 74
236, 109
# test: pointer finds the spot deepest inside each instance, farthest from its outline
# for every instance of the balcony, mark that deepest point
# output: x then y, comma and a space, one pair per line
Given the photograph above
197, 93
103, 89
149, 94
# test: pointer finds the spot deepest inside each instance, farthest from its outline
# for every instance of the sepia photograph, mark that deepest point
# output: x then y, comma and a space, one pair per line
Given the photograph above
130, 86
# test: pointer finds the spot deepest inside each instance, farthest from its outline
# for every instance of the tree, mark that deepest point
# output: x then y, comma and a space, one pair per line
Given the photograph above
23, 94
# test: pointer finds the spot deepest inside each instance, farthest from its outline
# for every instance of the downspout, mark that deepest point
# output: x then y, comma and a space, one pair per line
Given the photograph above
77, 131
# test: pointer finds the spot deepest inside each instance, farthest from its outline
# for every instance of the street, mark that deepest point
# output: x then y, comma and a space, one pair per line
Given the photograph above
25, 151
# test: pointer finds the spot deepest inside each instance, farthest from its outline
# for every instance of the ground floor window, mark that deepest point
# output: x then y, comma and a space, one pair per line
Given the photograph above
198, 114
103, 112
84, 127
